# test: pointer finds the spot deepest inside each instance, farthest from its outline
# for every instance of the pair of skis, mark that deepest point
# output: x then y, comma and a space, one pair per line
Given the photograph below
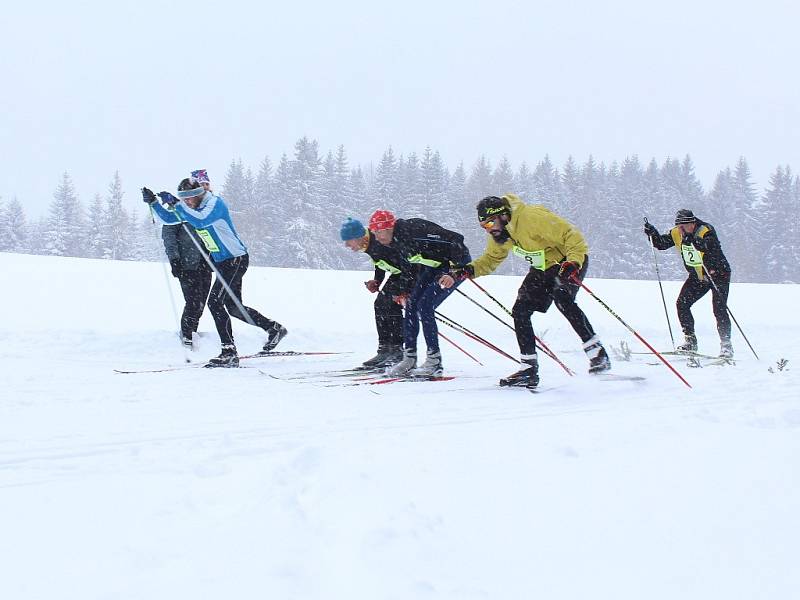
696, 359
242, 357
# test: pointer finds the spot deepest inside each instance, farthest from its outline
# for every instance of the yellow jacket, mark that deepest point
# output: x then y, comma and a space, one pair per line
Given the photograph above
538, 235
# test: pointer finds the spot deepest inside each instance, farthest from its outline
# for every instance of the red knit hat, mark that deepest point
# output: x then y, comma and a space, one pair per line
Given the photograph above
380, 220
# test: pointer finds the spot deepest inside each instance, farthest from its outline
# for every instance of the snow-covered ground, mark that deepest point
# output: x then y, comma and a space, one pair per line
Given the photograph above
203, 483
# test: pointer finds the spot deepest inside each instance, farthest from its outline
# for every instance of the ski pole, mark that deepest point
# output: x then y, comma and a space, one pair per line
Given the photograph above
458, 327
443, 336
214, 268
536, 339
658, 276
577, 281
727, 308
171, 296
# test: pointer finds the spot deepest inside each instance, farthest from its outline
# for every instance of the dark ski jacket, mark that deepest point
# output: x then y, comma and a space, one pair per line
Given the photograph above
702, 246
426, 243
389, 260
179, 246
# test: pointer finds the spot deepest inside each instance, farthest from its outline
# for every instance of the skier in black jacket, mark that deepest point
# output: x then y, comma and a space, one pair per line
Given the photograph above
190, 268
701, 251
388, 313
435, 249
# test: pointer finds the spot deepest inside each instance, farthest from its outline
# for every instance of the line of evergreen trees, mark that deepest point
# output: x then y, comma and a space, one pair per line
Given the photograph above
289, 214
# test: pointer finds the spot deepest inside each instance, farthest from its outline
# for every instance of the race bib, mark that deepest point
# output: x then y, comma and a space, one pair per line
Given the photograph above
208, 240
534, 258
691, 255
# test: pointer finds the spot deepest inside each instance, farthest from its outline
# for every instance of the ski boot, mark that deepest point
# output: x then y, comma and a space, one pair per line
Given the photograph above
726, 349
227, 358
526, 377
187, 342
275, 334
598, 357
689, 344
408, 362
386, 355
432, 367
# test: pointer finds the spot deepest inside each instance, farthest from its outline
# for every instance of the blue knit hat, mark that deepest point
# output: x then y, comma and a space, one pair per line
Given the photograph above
352, 229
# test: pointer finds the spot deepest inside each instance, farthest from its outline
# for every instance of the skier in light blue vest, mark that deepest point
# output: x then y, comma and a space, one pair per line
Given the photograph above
209, 215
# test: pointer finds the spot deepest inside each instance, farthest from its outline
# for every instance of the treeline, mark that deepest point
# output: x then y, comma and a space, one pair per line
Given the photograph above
289, 212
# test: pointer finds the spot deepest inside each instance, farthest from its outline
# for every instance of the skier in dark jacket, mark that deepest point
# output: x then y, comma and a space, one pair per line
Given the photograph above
699, 247
435, 249
388, 313
193, 273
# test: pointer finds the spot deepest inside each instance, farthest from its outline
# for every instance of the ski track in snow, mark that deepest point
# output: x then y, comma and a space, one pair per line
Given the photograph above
226, 483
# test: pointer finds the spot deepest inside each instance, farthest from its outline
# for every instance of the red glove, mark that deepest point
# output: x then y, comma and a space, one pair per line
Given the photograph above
568, 272
401, 299
372, 285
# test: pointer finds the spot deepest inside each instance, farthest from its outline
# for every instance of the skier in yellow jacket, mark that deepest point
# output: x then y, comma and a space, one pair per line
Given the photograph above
557, 254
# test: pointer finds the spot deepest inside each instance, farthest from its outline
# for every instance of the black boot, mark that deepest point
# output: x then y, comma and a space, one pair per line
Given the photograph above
599, 363
598, 357
378, 359
388, 354
275, 334
227, 358
690, 343
526, 377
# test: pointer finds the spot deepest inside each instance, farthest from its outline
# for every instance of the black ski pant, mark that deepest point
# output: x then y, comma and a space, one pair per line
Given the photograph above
195, 284
223, 307
539, 289
389, 314
693, 289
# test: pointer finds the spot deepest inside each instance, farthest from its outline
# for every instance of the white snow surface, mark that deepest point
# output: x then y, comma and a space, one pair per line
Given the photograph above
227, 483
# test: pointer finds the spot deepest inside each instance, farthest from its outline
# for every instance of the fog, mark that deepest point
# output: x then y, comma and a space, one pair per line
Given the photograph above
154, 89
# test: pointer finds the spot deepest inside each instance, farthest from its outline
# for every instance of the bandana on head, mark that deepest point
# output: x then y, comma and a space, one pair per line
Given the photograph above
200, 176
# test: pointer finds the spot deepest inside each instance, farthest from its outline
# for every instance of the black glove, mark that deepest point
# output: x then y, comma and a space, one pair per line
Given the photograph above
148, 195
568, 271
168, 198
462, 272
175, 265
650, 230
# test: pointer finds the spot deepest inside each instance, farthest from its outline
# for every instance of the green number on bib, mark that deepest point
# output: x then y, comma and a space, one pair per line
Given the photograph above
209, 242
535, 258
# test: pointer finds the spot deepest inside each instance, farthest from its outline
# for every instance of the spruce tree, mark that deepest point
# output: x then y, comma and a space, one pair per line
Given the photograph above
434, 189
503, 178
65, 229
117, 222
13, 220
98, 231
386, 185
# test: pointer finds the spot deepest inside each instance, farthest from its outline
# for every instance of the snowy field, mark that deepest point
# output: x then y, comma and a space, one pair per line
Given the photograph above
206, 484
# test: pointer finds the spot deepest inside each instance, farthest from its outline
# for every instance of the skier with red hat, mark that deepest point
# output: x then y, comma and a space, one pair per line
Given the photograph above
388, 314
435, 250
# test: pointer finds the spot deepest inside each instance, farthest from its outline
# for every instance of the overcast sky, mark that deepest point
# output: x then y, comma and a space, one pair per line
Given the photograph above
155, 89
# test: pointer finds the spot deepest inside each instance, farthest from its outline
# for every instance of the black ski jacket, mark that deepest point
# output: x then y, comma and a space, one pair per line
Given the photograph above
426, 243
179, 246
388, 259
703, 239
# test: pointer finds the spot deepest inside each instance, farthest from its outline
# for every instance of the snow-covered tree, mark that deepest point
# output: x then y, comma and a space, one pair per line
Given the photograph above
117, 222
15, 227
65, 229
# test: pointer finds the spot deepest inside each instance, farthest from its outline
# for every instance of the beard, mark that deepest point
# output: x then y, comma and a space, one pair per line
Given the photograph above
501, 237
